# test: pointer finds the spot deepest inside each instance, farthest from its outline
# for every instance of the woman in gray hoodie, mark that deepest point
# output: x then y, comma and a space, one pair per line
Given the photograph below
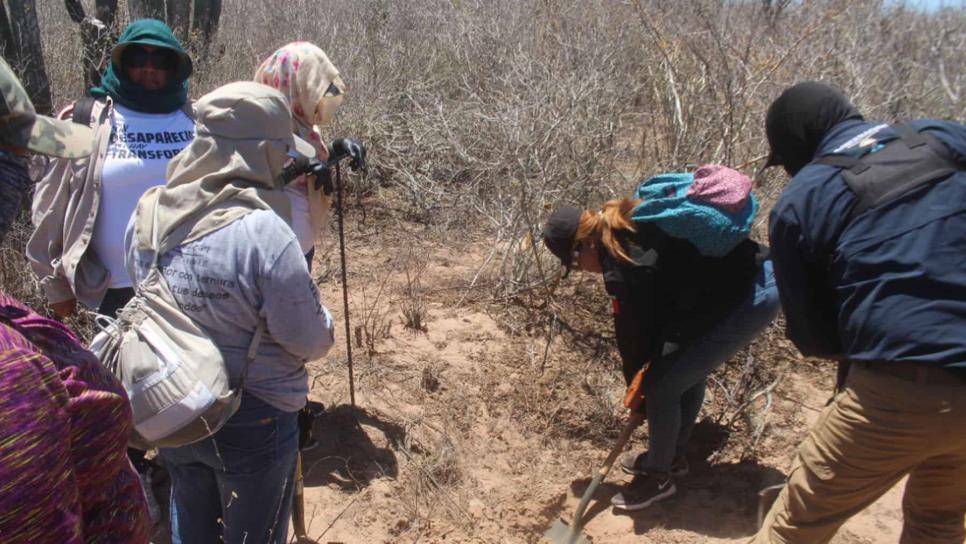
239, 265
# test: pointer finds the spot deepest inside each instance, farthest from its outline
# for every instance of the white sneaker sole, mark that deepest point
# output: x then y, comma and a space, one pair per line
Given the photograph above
642, 505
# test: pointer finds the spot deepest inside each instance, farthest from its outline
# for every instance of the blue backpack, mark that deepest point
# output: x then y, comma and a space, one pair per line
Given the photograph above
712, 208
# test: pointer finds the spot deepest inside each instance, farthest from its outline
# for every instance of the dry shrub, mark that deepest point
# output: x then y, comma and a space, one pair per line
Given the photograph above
376, 319
413, 304
429, 488
429, 380
484, 115
743, 392
15, 276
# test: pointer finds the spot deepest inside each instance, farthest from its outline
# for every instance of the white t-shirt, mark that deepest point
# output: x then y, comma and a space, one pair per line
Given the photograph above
297, 194
137, 158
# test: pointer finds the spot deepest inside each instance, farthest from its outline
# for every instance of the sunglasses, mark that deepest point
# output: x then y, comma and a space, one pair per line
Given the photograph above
332, 91
138, 57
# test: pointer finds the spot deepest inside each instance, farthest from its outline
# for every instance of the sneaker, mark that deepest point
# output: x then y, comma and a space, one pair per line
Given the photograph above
634, 464
153, 509
642, 492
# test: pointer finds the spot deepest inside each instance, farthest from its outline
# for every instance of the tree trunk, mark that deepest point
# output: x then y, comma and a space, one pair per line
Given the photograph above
75, 10
179, 17
145, 9
26, 38
97, 36
207, 13
98, 41
7, 46
106, 12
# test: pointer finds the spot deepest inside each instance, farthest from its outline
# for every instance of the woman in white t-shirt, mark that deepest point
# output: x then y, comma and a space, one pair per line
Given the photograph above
142, 119
304, 73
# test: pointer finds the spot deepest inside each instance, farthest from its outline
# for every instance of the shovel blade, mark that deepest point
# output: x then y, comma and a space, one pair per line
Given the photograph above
561, 533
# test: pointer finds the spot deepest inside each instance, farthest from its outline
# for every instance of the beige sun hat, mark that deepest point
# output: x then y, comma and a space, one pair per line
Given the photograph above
244, 137
22, 127
248, 111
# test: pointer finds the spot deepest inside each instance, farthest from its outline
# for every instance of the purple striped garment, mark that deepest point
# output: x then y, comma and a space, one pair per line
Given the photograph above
64, 425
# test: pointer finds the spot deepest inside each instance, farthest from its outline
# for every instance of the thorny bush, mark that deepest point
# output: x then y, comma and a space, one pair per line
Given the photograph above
482, 115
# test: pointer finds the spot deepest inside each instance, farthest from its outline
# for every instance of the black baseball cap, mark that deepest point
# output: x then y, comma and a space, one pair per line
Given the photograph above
559, 233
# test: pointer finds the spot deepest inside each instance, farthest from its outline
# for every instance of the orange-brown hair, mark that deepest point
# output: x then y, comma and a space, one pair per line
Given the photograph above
613, 217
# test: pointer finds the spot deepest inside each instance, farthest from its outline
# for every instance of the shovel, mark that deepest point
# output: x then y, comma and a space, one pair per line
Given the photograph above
298, 502
560, 532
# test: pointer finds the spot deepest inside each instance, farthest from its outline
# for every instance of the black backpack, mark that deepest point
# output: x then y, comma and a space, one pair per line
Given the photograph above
908, 162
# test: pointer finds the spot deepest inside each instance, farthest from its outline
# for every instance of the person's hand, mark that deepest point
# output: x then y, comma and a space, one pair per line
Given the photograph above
64, 309
634, 396
347, 147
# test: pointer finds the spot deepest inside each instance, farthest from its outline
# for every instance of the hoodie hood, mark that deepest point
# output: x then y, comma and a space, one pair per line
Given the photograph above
798, 120
114, 82
244, 137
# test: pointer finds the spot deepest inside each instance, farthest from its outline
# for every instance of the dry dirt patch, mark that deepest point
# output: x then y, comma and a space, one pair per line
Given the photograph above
467, 432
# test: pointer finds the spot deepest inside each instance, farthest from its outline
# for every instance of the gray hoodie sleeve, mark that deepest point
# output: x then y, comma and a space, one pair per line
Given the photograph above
295, 316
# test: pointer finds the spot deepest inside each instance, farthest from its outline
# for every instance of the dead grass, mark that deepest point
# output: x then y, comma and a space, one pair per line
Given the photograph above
480, 117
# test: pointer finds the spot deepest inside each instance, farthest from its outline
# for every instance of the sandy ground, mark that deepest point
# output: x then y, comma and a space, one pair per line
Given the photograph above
440, 448
443, 444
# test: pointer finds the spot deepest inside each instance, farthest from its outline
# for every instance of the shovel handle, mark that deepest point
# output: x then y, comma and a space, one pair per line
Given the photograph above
633, 422
298, 507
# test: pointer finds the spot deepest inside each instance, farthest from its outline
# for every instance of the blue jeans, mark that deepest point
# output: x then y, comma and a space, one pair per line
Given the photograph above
236, 486
674, 398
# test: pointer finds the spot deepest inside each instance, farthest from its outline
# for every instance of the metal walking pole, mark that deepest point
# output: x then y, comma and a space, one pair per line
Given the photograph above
345, 287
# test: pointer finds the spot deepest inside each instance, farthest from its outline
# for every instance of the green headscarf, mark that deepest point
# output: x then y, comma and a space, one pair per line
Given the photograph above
127, 93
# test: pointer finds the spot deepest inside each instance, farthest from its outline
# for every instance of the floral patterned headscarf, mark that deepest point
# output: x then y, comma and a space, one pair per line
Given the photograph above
304, 73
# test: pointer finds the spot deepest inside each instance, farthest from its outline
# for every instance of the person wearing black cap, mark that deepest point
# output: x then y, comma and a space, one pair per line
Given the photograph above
682, 311
881, 284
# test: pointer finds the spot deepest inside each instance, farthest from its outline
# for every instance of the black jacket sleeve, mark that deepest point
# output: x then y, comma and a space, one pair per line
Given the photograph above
811, 314
632, 292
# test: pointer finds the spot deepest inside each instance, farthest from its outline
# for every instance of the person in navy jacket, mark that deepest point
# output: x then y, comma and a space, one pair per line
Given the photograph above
885, 292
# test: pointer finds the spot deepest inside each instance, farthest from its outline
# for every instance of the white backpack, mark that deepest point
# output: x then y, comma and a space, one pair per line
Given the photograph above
175, 376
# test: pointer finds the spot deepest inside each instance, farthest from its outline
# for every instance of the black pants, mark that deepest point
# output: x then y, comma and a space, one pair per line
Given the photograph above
114, 300
309, 257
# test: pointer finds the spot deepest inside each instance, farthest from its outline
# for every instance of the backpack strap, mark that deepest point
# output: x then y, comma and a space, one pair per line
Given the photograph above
252, 352
847, 162
188, 108
911, 160
84, 108
172, 240
910, 136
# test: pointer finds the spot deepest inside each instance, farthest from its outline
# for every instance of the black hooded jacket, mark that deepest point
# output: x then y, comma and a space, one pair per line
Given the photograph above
672, 293
799, 119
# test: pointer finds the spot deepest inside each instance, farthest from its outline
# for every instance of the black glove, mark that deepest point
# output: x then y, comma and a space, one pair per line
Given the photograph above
347, 147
